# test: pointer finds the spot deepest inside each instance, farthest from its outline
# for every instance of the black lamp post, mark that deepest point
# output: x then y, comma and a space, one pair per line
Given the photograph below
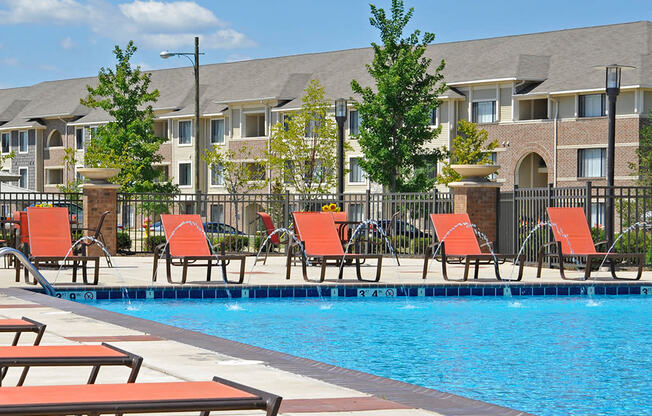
612, 85
340, 117
195, 66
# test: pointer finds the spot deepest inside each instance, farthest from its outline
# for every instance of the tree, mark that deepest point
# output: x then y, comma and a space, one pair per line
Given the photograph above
644, 152
128, 142
303, 147
238, 177
470, 147
69, 162
395, 116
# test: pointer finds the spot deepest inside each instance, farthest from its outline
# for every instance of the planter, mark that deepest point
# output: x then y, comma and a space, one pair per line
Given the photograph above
98, 176
475, 173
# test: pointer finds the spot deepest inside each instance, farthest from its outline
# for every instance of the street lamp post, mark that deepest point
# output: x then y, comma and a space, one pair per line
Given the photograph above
612, 85
340, 117
195, 65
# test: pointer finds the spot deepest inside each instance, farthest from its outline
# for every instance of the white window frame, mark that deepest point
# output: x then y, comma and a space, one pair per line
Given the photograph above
192, 138
223, 131
2, 135
243, 119
210, 175
351, 134
221, 220
364, 177
190, 175
582, 164
47, 142
83, 138
581, 111
26, 142
47, 175
493, 113
26, 177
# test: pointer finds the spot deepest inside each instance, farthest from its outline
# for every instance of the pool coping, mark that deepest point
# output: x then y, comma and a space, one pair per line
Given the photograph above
408, 394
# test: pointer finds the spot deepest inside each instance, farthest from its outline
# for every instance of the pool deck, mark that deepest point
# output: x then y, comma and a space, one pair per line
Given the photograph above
171, 354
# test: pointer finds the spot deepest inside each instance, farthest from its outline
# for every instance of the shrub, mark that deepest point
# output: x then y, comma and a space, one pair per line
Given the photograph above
230, 243
152, 241
419, 244
123, 241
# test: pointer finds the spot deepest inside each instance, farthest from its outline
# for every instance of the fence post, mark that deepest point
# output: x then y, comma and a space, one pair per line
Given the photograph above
434, 201
98, 198
286, 209
551, 202
515, 216
587, 203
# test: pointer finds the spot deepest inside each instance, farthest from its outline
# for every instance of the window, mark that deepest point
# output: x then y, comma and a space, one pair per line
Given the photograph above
257, 171
286, 122
288, 171
355, 212
163, 173
217, 213
92, 131
54, 176
255, 125
354, 123
22, 182
484, 112
592, 105
494, 161
312, 127
356, 175
78, 176
433, 117
22, 142
217, 174
591, 163
217, 131
6, 140
55, 139
185, 132
79, 139
185, 174
597, 214
128, 216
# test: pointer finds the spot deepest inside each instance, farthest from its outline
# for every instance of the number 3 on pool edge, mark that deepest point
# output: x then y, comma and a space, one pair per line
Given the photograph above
361, 293
645, 291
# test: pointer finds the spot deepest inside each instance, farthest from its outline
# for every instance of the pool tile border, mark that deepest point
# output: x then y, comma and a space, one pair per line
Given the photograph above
411, 395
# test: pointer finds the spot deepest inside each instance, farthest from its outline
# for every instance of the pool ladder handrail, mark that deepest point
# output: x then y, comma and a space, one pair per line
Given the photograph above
29, 266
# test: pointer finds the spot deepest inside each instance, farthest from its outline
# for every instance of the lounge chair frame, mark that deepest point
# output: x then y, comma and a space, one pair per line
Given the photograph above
476, 259
222, 260
591, 259
29, 325
268, 223
267, 402
128, 359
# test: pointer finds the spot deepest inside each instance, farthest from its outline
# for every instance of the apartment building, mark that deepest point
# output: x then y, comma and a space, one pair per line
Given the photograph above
537, 94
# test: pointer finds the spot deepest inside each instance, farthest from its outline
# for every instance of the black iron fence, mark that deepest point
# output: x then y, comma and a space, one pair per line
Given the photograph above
231, 220
633, 216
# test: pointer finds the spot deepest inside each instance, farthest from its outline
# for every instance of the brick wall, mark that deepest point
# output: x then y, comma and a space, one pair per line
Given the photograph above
481, 205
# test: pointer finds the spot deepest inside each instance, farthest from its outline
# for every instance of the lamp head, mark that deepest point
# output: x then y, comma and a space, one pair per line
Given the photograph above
340, 109
166, 54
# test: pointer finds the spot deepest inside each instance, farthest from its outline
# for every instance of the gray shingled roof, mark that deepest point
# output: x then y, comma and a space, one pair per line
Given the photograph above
561, 60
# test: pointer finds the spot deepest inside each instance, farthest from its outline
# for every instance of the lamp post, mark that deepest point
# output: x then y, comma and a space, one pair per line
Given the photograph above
612, 85
195, 66
340, 117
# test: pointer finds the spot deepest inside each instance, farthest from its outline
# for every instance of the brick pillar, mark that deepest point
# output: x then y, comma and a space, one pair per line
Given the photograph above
480, 201
99, 198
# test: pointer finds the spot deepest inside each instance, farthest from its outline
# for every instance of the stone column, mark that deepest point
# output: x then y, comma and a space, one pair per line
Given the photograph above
480, 201
99, 198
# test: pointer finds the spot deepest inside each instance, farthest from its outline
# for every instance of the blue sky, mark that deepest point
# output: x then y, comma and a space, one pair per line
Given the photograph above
55, 39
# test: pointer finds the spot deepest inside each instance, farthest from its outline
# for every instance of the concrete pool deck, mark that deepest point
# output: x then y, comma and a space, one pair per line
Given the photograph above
172, 354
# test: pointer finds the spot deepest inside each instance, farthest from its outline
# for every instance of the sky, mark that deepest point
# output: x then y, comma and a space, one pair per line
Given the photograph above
42, 40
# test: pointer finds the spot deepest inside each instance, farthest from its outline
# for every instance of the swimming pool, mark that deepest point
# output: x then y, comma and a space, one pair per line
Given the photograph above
544, 355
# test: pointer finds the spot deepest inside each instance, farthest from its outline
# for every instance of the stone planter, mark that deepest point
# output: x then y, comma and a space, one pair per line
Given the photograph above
98, 176
475, 173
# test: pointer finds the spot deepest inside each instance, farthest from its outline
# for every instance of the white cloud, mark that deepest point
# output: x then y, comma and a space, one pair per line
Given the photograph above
156, 24
9, 61
67, 43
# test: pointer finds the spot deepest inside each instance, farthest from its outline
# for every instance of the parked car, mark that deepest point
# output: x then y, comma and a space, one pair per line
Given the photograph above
221, 228
402, 228
156, 226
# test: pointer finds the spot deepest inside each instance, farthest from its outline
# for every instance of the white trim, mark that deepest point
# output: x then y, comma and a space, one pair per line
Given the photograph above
26, 142
348, 179
25, 127
574, 178
47, 141
595, 145
486, 81
8, 134
190, 175
210, 178
49, 168
245, 100
210, 131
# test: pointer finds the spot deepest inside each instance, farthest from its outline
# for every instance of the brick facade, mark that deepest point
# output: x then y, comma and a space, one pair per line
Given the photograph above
97, 200
481, 203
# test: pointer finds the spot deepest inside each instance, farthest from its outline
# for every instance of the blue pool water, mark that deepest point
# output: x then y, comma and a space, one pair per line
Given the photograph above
543, 355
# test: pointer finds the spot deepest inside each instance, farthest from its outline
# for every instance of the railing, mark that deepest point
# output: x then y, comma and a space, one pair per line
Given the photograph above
19, 256
633, 215
231, 220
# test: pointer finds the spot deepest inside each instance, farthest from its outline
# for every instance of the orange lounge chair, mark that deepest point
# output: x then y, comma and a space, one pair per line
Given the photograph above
319, 238
96, 399
461, 245
275, 239
189, 246
18, 326
50, 241
67, 355
573, 239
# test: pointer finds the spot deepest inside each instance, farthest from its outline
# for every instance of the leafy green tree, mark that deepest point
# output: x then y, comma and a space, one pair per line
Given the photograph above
4, 158
128, 142
644, 152
69, 162
470, 147
238, 177
395, 116
303, 147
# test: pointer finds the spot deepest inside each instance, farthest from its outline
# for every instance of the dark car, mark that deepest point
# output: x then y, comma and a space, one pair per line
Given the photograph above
402, 228
220, 228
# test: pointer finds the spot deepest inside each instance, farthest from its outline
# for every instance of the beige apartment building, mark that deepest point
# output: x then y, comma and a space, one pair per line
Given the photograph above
537, 94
